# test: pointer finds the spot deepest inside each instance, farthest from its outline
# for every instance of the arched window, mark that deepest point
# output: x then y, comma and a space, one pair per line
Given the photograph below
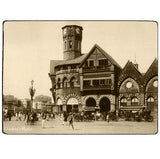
58, 83
123, 101
70, 44
72, 82
150, 103
134, 101
65, 82
150, 100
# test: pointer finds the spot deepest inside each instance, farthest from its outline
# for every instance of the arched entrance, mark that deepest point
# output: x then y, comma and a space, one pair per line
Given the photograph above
72, 105
104, 105
90, 102
59, 105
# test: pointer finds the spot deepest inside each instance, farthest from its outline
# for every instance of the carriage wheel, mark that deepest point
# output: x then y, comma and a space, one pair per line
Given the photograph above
150, 118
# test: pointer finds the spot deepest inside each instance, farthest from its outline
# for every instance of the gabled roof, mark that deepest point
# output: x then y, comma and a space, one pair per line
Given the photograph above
153, 67
130, 66
130, 70
103, 52
152, 71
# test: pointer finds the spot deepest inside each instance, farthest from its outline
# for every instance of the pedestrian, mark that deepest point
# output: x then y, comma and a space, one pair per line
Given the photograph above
27, 118
17, 116
107, 118
65, 116
9, 115
70, 120
44, 116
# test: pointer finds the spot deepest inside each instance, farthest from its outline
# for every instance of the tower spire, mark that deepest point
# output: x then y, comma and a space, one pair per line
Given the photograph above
135, 61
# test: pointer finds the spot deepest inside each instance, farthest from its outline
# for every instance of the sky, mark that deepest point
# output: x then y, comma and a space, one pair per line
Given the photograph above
30, 45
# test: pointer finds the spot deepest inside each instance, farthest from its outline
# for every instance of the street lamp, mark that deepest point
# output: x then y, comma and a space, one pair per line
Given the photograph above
32, 92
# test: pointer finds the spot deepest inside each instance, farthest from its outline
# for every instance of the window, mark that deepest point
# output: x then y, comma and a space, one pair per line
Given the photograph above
87, 83
108, 81
103, 62
65, 67
70, 44
123, 101
65, 82
72, 82
102, 82
73, 66
65, 45
78, 44
150, 103
129, 84
91, 63
150, 99
95, 82
58, 83
134, 101
155, 83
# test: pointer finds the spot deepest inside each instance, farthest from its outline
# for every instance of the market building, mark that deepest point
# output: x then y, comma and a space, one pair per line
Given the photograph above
96, 82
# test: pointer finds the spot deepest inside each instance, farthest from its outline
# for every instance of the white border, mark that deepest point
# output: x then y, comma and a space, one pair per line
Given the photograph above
76, 146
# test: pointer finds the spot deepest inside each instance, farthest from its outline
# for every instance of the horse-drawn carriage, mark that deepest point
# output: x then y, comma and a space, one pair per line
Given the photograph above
141, 114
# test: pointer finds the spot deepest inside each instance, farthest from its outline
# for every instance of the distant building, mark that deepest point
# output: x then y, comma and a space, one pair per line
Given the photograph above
40, 102
26, 103
11, 103
96, 82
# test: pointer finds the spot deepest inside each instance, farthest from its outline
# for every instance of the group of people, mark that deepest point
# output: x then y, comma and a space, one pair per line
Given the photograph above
65, 117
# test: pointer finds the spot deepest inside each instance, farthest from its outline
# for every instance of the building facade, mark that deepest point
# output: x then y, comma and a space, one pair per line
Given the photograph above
96, 82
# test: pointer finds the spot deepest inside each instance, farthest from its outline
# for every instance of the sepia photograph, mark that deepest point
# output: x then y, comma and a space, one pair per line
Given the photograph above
80, 77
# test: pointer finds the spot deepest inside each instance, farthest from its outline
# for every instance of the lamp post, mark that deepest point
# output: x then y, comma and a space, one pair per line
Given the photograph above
32, 92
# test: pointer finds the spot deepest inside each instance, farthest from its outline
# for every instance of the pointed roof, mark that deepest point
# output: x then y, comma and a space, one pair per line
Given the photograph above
130, 70
153, 67
103, 52
152, 71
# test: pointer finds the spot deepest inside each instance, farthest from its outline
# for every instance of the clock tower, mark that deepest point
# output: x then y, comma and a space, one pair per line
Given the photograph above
72, 37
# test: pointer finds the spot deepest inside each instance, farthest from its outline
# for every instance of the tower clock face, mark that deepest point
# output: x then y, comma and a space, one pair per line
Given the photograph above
77, 30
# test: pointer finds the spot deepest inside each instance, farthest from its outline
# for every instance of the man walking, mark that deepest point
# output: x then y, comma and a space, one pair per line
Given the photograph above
70, 120
43, 119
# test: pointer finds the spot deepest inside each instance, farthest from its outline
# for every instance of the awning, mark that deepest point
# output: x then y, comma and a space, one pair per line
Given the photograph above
89, 109
72, 101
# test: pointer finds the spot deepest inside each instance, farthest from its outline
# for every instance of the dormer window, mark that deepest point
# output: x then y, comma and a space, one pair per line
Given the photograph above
91, 63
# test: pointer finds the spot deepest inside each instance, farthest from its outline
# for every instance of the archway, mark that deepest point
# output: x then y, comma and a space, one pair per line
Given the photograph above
60, 105
90, 102
104, 105
72, 105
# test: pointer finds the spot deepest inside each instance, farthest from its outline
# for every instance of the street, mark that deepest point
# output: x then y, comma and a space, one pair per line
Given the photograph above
92, 127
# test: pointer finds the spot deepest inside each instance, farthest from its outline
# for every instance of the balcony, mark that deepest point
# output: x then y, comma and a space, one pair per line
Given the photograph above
96, 87
96, 69
67, 71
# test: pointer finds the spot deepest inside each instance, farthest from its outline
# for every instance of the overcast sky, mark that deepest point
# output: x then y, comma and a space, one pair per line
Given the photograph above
29, 47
